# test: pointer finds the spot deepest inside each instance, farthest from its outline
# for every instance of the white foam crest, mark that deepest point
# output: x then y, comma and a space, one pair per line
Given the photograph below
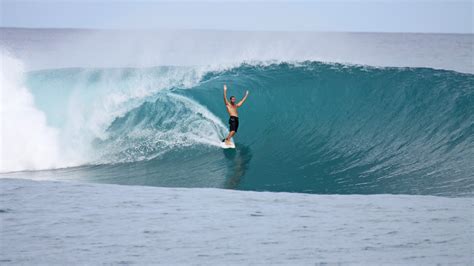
27, 142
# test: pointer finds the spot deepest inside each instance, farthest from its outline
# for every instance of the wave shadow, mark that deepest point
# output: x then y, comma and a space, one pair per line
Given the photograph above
238, 161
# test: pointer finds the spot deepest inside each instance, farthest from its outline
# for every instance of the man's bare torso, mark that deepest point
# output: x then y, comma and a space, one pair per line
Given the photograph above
232, 109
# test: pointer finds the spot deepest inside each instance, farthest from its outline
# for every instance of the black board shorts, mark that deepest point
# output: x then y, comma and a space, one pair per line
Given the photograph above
233, 123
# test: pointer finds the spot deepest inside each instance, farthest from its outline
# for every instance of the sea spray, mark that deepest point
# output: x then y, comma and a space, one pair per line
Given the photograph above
27, 142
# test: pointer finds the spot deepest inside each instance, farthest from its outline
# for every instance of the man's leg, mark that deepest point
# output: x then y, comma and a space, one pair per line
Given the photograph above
231, 134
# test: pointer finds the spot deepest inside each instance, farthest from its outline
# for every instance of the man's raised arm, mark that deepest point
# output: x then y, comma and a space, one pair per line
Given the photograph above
225, 95
243, 100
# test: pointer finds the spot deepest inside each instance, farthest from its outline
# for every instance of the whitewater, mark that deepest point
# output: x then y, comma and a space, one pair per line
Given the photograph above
372, 132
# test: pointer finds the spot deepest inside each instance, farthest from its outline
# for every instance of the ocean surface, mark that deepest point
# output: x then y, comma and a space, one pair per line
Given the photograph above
73, 223
386, 117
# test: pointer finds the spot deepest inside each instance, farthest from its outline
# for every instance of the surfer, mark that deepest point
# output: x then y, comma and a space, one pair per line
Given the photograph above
234, 116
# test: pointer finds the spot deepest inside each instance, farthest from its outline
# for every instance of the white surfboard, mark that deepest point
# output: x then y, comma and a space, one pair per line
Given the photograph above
225, 146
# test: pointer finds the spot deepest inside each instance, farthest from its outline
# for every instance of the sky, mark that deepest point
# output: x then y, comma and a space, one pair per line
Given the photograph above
432, 16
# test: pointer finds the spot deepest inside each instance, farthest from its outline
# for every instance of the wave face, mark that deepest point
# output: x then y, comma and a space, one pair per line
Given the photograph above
306, 127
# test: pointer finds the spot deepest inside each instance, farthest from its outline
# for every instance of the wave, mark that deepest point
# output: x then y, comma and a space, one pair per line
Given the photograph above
306, 127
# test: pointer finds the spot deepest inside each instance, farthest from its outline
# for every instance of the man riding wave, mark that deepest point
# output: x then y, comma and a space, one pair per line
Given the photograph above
234, 116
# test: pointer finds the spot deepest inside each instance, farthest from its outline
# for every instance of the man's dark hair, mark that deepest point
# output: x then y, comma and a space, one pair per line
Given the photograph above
231, 97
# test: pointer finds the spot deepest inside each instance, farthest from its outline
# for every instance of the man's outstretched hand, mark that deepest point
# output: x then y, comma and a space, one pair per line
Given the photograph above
225, 89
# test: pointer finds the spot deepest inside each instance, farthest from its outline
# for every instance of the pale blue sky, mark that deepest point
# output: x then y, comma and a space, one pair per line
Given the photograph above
350, 15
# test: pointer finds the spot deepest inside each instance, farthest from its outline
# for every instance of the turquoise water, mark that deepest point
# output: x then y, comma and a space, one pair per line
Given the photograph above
306, 127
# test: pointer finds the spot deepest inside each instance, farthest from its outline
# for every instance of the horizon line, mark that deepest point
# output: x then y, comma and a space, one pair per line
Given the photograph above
230, 30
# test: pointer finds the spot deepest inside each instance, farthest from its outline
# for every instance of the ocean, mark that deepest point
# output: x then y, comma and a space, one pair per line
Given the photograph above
385, 117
